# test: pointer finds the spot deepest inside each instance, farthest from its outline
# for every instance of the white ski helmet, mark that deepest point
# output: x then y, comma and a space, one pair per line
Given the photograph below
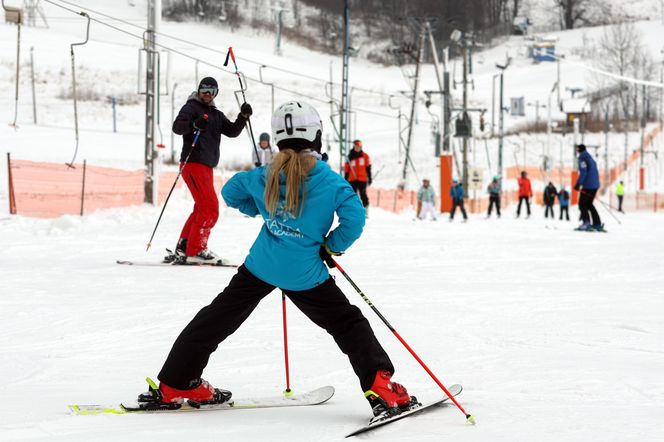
297, 120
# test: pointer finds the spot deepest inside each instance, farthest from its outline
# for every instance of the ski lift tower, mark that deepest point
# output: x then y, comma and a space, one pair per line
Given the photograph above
151, 188
344, 112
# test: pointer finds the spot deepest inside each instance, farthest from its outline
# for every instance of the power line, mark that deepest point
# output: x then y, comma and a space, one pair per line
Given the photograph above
183, 54
181, 40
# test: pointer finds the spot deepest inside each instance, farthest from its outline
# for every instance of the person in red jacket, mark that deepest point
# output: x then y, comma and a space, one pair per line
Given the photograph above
525, 193
357, 171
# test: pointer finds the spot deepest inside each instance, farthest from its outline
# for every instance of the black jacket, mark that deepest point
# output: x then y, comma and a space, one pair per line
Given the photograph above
550, 193
207, 148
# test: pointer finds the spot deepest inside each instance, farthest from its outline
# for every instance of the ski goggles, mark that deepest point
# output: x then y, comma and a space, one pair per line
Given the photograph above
208, 90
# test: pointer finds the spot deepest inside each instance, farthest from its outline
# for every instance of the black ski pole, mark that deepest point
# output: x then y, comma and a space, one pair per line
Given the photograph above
244, 98
193, 144
606, 206
470, 419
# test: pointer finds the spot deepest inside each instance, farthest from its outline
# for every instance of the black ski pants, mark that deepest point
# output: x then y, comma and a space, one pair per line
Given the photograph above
518, 208
549, 208
620, 201
458, 203
361, 188
325, 305
587, 207
494, 200
565, 210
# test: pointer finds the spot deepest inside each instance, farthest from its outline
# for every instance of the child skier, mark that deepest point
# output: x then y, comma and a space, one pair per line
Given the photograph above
426, 197
297, 196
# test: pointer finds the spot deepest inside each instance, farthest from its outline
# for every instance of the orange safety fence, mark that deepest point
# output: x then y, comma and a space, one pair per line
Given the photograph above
48, 190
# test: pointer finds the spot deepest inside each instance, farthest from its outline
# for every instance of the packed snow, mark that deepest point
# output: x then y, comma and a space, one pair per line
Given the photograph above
555, 335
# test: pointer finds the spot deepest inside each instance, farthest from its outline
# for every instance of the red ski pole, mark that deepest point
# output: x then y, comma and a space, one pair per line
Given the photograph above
287, 391
470, 419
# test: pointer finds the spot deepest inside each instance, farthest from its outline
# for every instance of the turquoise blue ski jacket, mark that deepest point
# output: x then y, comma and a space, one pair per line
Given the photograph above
286, 252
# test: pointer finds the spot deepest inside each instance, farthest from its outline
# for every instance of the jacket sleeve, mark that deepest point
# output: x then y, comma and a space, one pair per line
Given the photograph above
420, 193
182, 123
351, 220
236, 194
233, 129
583, 171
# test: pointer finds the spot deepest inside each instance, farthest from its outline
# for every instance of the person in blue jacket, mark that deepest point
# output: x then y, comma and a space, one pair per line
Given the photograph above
457, 194
297, 196
587, 184
563, 199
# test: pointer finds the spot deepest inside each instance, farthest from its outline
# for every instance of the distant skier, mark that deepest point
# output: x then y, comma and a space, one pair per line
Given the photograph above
525, 193
563, 200
197, 173
495, 191
264, 150
587, 184
357, 170
550, 193
620, 193
426, 198
297, 197
457, 194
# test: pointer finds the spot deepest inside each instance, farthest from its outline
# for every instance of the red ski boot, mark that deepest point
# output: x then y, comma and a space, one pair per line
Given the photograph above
388, 398
166, 397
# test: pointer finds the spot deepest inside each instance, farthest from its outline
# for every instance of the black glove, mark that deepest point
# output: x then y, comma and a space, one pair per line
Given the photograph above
369, 182
326, 255
200, 123
246, 110
577, 187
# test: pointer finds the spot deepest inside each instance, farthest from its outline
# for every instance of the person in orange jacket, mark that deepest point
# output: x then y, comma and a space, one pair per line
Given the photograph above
525, 193
357, 171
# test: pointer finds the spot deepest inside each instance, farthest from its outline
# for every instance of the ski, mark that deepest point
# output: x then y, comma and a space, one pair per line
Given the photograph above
454, 390
171, 264
314, 397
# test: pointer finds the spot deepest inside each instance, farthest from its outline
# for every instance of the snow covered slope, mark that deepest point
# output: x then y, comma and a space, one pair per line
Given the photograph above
556, 335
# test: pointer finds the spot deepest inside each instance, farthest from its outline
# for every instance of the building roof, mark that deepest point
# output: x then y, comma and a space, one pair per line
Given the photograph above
576, 106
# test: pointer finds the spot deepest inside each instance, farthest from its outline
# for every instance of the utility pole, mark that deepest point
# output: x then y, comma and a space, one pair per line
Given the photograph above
464, 178
606, 147
411, 122
151, 154
344, 112
279, 10
441, 85
643, 133
501, 122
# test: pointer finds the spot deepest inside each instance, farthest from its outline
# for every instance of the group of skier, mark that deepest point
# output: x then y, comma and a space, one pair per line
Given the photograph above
587, 185
297, 195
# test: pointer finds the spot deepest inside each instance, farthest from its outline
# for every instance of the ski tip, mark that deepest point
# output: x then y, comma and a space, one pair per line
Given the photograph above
470, 419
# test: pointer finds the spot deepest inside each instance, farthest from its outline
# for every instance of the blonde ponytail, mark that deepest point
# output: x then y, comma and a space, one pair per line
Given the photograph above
295, 166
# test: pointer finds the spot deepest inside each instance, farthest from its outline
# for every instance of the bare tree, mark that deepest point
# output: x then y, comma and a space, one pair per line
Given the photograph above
622, 51
572, 12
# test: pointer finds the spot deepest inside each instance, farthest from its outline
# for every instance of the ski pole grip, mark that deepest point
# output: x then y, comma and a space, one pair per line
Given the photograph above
230, 51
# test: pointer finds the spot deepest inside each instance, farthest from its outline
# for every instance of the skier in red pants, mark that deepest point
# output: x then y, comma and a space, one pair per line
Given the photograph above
197, 173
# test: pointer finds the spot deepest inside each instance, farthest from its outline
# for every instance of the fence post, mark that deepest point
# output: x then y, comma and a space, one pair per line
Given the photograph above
394, 206
378, 198
655, 202
83, 188
12, 196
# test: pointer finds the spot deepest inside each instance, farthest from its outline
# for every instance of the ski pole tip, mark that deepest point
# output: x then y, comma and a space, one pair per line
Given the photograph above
470, 419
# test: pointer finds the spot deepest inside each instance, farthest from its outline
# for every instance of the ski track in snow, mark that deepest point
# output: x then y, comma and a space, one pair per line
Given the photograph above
555, 335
